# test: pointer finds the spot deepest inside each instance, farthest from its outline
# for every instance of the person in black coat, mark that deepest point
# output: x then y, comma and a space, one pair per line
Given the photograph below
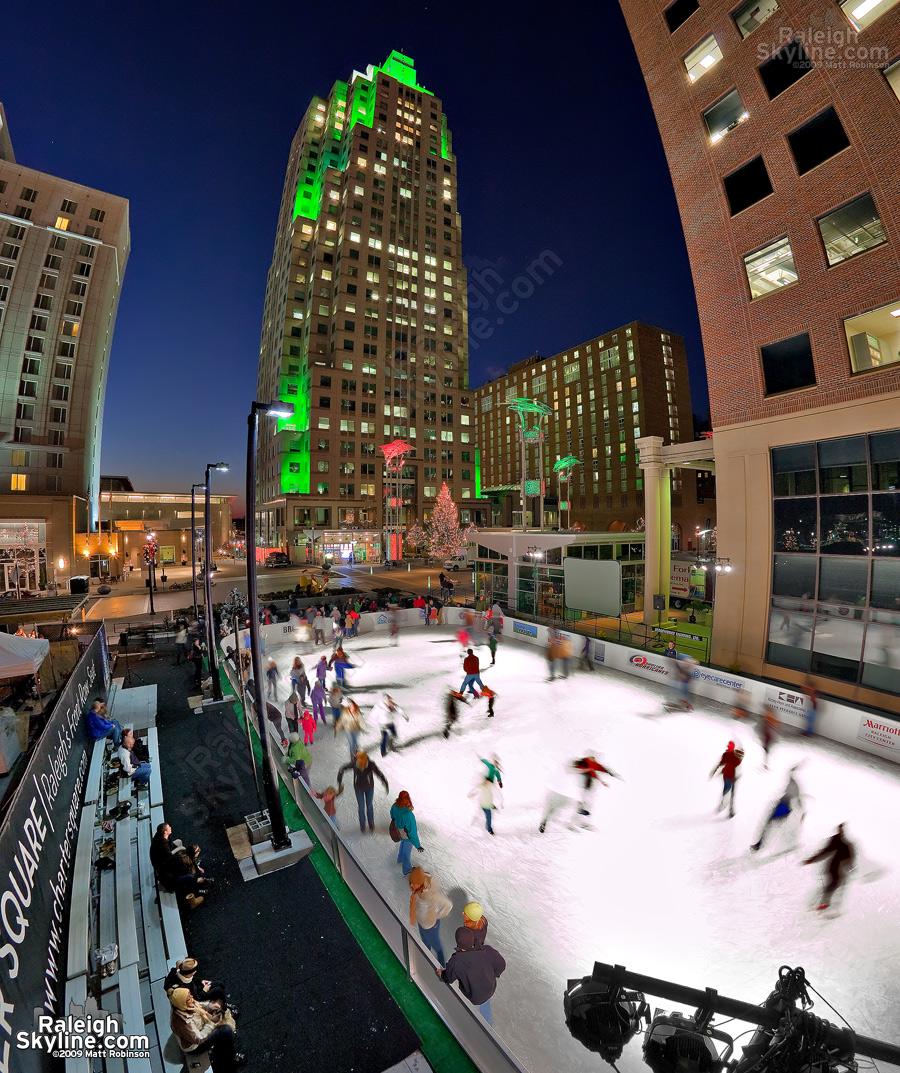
839, 854
477, 968
212, 995
364, 772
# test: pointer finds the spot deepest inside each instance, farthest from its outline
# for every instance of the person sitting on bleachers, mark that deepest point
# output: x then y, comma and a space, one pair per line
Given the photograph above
162, 849
99, 725
212, 995
138, 771
198, 1030
188, 877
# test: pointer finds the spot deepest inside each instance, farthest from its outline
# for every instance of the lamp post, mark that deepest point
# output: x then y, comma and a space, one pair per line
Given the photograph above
211, 655
199, 484
563, 469
280, 838
531, 434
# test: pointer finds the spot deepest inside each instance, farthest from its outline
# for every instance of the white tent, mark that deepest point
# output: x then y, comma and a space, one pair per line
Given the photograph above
21, 655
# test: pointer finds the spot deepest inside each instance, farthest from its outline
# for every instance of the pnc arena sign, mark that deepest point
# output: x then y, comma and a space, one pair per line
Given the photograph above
646, 665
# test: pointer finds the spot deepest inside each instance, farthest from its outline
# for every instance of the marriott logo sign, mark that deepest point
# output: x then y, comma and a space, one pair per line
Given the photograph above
879, 732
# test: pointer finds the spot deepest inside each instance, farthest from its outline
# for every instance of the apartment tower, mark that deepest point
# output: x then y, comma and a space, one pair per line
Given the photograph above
779, 120
63, 251
364, 327
605, 393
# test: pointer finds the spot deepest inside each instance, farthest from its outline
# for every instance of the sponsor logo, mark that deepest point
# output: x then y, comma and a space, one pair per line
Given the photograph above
526, 628
646, 665
879, 732
287, 629
786, 703
599, 652
639, 661
381, 620
716, 680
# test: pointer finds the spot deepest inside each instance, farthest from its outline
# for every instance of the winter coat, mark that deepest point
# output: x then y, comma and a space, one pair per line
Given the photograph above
431, 905
298, 751
321, 668
351, 721
328, 801
478, 928
363, 780
309, 723
405, 821
385, 716
730, 762
477, 972
485, 794
470, 665
191, 1027
97, 726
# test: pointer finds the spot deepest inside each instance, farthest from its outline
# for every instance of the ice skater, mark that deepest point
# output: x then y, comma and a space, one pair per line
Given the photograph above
451, 712
551, 655
309, 726
812, 706
472, 670
272, 680
364, 770
485, 793
681, 686
341, 665
385, 713
492, 645
728, 764
317, 700
405, 822
493, 773
768, 727
590, 769
790, 799
352, 723
586, 655
839, 855
394, 625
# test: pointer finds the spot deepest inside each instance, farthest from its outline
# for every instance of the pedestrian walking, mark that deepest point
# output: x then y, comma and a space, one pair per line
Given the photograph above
272, 679
181, 645
838, 854
492, 645
550, 654
428, 905
472, 670
475, 920
385, 713
404, 823
318, 626
477, 969
364, 772
790, 800
328, 797
351, 722
728, 764
292, 713
317, 700
300, 758
309, 727
485, 794
196, 658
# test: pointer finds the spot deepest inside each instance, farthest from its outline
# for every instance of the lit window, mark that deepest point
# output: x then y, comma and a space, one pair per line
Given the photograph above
852, 229
699, 60
725, 115
18, 482
873, 338
770, 268
862, 13
62, 224
753, 13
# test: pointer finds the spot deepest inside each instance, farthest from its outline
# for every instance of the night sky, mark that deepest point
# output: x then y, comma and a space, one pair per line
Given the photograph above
188, 110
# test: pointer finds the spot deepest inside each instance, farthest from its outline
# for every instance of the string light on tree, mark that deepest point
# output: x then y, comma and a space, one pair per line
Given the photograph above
445, 537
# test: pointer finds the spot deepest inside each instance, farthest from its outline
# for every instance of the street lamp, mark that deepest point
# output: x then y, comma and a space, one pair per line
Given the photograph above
212, 655
199, 484
280, 837
564, 469
536, 411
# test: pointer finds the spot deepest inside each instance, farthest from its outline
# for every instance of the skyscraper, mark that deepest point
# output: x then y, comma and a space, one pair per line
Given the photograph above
364, 327
63, 251
778, 121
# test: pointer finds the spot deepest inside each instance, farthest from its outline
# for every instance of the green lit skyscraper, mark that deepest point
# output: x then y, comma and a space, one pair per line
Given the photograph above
364, 328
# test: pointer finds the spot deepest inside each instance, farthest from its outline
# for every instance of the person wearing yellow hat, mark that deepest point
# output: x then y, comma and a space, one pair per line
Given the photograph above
210, 994
476, 921
197, 1032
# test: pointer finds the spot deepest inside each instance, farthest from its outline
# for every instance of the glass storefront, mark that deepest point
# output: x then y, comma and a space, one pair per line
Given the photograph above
835, 603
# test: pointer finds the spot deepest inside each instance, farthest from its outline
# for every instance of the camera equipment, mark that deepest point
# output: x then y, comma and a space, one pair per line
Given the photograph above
603, 1017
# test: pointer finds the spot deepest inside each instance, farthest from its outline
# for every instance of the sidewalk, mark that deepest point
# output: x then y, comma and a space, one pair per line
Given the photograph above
309, 992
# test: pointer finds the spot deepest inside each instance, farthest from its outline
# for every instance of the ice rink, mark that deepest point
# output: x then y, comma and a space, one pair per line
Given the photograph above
662, 884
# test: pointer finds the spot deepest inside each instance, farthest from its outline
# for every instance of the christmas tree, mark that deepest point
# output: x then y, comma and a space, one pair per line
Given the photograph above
445, 538
416, 536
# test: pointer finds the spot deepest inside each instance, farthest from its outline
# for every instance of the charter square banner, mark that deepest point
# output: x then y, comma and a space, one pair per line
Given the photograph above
37, 850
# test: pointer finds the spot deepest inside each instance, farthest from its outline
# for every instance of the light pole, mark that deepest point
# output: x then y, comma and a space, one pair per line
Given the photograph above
539, 411
199, 484
563, 469
212, 655
280, 837
234, 607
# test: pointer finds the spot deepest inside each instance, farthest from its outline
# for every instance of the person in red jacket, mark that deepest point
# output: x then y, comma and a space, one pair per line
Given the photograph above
473, 673
728, 764
591, 769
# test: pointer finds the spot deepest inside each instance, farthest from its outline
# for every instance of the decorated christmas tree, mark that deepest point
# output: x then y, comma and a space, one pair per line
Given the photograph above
445, 538
416, 536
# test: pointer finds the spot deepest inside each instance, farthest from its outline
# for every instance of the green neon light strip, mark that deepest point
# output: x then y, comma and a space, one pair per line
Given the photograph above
477, 473
445, 139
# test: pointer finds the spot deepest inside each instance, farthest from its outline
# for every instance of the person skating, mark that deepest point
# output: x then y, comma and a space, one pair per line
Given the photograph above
768, 727
272, 679
292, 713
728, 764
301, 759
839, 855
364, 772
485, 794
351, 722
790, 799
477, 968
563, 654
551, 655
590, 769
317, 700
405, 822
328, 797
492, 645
385, 714
586, 655
681, 685
274, 717
475, 920
341, 665
451, 713
472, 670
309, 726
428, 905
494, 774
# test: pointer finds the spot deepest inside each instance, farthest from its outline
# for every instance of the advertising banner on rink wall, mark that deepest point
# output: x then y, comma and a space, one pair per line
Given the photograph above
37, 849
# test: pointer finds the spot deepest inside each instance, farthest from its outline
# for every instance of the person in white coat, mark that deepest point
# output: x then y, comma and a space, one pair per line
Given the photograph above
485, 794
385, 714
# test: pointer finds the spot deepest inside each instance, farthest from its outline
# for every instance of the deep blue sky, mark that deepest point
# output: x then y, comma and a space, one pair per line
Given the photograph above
188, 110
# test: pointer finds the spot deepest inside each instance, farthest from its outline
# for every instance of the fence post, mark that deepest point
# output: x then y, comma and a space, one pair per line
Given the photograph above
405, 937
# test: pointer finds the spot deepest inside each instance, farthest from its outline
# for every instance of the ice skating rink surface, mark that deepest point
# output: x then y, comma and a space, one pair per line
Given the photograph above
661, 882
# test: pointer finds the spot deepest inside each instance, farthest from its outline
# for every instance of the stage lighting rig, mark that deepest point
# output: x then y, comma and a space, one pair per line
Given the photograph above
677, 1044
603, 1016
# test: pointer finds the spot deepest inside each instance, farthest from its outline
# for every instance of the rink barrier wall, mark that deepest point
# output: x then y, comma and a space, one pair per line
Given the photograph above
870, 731
472, 1032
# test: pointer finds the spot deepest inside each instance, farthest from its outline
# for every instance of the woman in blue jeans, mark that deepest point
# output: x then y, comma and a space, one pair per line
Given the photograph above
428, 905
364, 771
405, 822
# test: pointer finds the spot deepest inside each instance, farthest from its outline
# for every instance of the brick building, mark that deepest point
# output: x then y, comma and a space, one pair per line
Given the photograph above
779, 123
606, 393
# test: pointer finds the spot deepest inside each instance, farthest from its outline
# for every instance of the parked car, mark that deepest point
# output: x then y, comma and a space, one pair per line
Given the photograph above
277, 558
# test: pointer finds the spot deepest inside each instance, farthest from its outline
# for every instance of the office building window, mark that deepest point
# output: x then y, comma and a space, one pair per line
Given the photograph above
53, 484
98, 214
861, 13
753, 13
18, 482
770, 268
819, 139
873, 338
725, 115
787, 66
748, 185
892, 74
59, 415
851, 229
678, 13
54, 460
70, 207
788, 364
20, 459
22, 434
699, 60
28, 194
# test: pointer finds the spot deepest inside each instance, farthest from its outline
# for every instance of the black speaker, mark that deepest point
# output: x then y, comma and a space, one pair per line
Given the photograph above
659, 602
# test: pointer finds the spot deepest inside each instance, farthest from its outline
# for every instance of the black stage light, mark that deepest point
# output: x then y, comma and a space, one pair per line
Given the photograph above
677, 1044
602, 1016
